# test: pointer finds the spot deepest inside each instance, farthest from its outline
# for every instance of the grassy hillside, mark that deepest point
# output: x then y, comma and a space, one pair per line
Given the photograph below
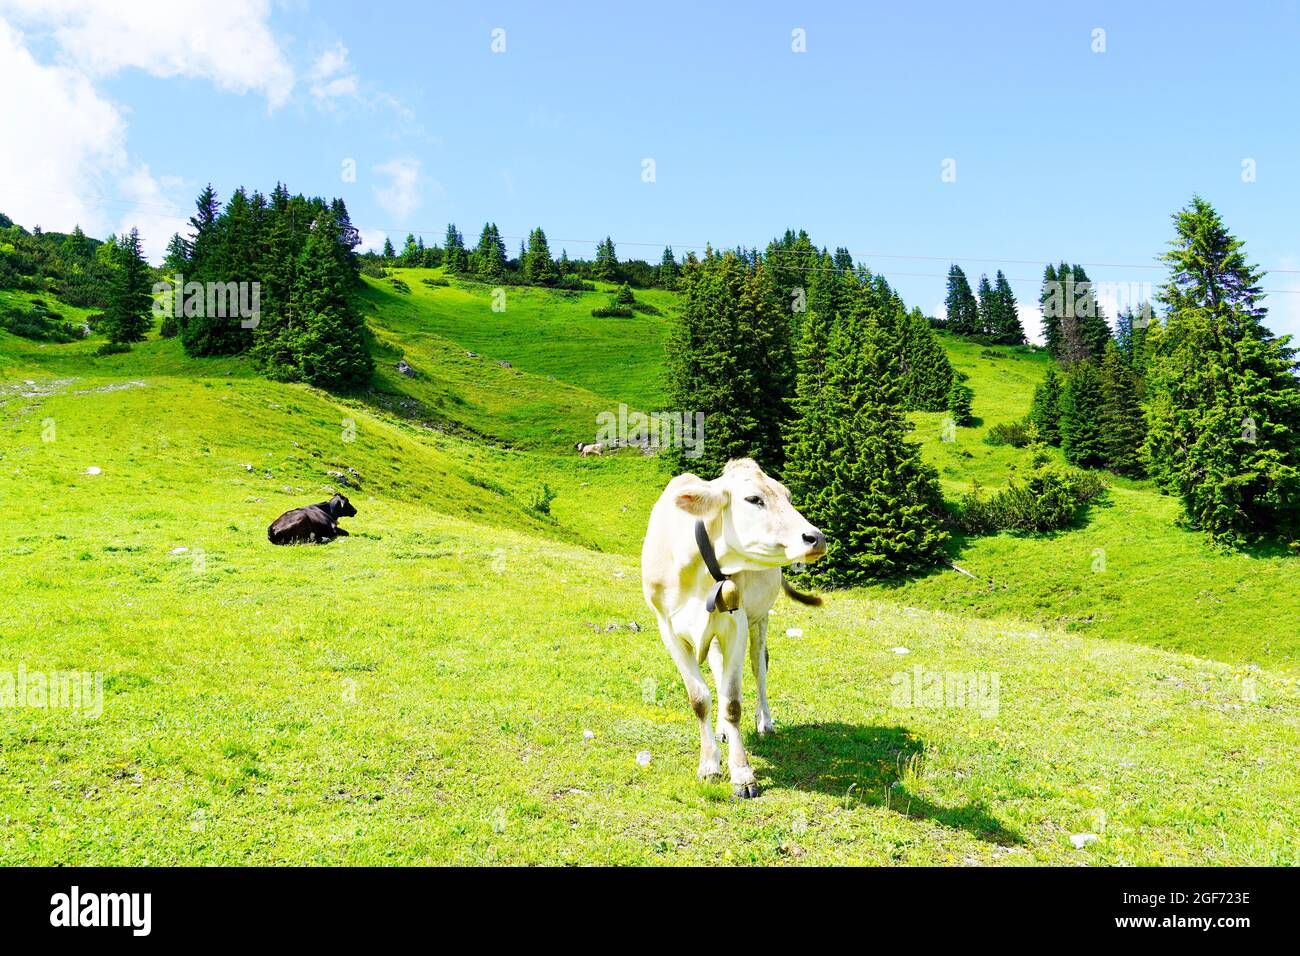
420, 691
566, 367
1128, 572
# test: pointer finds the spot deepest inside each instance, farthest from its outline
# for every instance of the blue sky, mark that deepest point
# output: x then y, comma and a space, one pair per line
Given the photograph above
1060, 151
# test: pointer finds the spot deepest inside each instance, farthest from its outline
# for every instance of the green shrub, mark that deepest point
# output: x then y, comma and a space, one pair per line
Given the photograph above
435, 281
1049, 498
540, 504
959, 403
373, 269
400, 286
168, 329
38, 322
613, 312
112, 348
1018, 434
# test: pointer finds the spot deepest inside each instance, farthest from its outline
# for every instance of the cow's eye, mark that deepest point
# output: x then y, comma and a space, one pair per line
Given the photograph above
755, 500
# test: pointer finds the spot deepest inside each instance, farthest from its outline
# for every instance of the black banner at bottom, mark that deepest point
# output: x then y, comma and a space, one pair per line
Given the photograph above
335, 905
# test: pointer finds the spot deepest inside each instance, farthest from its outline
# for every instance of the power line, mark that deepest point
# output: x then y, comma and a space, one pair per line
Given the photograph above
389, 231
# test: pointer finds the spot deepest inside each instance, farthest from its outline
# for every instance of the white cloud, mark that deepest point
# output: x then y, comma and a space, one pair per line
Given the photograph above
372, 240
63, 155
229, 43
1031, 320
63, 143
401, 193
331, 75
82, 174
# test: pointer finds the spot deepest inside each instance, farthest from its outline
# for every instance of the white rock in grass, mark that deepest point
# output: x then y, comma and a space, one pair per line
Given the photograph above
899, 650
93, 470
178, 550
1080, 840
643, 758
588, 735
794, 632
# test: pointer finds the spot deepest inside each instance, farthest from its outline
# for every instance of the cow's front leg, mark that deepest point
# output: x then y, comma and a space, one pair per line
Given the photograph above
733, 670
697, 693
758, 661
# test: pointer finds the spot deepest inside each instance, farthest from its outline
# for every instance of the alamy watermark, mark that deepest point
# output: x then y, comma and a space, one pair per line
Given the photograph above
962, 690
220, 300
653, 430
63, 690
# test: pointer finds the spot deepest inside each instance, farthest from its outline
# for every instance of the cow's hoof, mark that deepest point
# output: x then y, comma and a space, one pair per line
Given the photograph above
745, 791
765, 728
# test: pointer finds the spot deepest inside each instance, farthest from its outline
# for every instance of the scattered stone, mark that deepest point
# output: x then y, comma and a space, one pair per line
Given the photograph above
178, 551
504, 364
634, 627
1080, 840
246, 467
794, 632
405, 369
643, 758
471, 355
93, 470
899, 650
588, 735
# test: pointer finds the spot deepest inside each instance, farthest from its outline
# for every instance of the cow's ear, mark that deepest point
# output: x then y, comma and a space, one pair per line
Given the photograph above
696, 496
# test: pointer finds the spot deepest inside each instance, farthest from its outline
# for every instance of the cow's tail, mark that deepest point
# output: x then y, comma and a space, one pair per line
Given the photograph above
813, 600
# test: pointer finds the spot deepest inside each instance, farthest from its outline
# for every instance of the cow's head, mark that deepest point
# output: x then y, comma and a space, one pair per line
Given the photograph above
760, 527
340, 507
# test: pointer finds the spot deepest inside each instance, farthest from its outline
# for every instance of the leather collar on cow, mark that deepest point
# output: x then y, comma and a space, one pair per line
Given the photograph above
720, 595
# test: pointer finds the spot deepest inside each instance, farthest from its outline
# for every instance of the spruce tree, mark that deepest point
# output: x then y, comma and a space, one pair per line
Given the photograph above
962, 309
126, 319
1082, 437
1123, 421
1093, 328
330, 343
1224, 420
488, 261
1049, 307
1007, 328
668, 270
177, 256
987, 320
1045, 409
851, 469
768, 358
705, 369
454, 257
389, 252
960, 397
538, 267
927, 373
606, 265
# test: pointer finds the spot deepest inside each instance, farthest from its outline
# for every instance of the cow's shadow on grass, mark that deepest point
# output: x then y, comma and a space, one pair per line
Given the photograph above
867, 766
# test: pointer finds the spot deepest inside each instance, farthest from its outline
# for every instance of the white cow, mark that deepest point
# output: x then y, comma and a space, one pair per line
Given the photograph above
754, 531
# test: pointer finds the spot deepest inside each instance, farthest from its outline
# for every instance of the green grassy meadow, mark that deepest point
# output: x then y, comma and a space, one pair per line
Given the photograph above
468, 679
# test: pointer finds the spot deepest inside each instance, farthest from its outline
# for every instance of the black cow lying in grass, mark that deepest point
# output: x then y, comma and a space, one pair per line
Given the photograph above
311, 523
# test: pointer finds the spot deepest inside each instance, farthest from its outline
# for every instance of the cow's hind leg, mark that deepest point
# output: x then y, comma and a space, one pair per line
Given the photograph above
733, 670
697, 693
758, 661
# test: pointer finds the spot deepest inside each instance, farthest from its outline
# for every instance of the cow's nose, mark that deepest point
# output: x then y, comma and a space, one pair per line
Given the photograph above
814, 539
